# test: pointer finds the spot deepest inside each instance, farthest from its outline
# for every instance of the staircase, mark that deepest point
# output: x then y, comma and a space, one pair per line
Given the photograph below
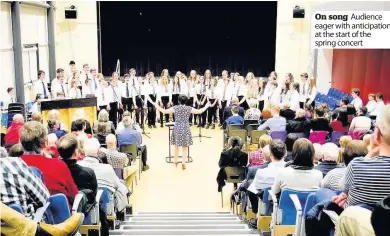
183, 223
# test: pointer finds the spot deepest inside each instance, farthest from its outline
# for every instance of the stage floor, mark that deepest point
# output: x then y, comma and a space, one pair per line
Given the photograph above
165, 188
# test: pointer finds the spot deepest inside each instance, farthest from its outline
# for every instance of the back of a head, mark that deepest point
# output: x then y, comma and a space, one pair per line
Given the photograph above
383, 125
345, 100
79, 124
235, 110
32, 136
67, 146
354, 148
91, 147
36, 116
182, 99
265, 140
344, 140
16, 150
330, 152
318, 152
363, 110
275, 110
234, 99
102, 127
300, 113
303, 153
278, 149
103, 116
127, 122
235, 143
53, 115
111, 140
18, 118
290, 140
319, 111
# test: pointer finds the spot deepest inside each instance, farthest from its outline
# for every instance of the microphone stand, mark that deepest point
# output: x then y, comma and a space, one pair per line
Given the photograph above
200, 136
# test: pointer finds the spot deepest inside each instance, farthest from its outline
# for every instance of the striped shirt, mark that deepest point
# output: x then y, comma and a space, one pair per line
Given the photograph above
333, 178
367, 180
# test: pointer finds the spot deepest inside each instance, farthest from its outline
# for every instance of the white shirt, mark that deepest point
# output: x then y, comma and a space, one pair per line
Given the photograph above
176, 89
200, 89
8, 99
294, 100
313, 95
225, 93
190, 91
360, 123
379, 107
240, 90
211, 93
163, 91
87, 90
102, 95
95, 85
357, 103
303, 91
54, 82
274, 97
123, 90
115, 95
34, 107
59, 87
265, 177
74, 93
371, 106
151, 89
83, 77
39, 88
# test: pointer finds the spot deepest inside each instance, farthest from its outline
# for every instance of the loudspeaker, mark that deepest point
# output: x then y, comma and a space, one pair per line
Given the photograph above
298, 12
70, 14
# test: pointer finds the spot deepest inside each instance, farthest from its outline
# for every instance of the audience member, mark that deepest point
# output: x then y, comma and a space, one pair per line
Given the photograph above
361, 122
336, 124
54, 128
342, 112
287, 113
54, 115
80, 147
228, 110
256, 157
120, 124
9, 98
290, 140
57, 175
235, 119
366, 181
319, 123
80, 115
308, 111
300, 175
318, 153
265, 114
79, 128
276, 123
344, 140
329, 158
253, 113
129, 135
51, 147
101, 134
12, 135
36, 116
371, 104
297, 125
16, 150
252, 169
332, 180
21, 186
103, 120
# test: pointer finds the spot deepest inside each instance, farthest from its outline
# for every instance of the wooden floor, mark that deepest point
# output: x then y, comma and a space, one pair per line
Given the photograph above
165, 188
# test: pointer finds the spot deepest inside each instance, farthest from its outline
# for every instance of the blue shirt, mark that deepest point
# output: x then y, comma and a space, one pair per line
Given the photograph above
235, 120
129, 136
276, 123
57, 132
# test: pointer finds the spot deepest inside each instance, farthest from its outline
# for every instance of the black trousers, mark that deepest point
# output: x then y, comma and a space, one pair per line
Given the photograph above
212, 112
151, 111
164, 101
127, 104
113, 113
144, 154
175, 102
139, 113
202, 117
190, 102
221, 111
261, 105
254, 199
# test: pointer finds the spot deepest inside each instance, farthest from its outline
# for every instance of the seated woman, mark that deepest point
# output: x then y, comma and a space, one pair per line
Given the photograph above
256, 158
51, 147
103, 119
54, 128
253, 113
297, 125
233, 157
101, 134
337, 124
300, 175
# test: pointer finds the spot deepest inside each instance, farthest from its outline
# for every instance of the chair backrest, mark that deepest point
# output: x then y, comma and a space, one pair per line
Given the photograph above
233, 127
240, 133
105, 198
287, 205
16, 207
335, 137
320, 195
235, 174
356, 134
130, 149
256, 134
250, 122
282, 135
318, 137
299, 135
58, 210
37, 172
250, 128
119, 172
266, 205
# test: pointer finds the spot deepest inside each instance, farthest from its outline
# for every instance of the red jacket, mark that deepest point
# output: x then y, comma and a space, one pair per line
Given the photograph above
12, 135
57, 176
337, 126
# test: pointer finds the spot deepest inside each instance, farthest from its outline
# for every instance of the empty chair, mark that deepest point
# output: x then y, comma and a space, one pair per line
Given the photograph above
250, 122
282, 135
234, 175
318, 137
233, 127
335, 137
132, 150
256, 134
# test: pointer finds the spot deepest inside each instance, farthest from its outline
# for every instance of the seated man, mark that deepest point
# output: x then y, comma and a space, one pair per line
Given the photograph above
276, 123
12, 135
361, 122
78, 128
319, 123
265, 177
54, 128
14, 224
21, 186
287, 113
235, 119
129, 135
329, 158
105, 174
58, 178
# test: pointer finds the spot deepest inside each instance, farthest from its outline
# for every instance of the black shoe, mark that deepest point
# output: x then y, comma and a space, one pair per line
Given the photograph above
149, 126
117, 224
207, 126
162, 125
145, 168
253, 223
199, 125
195, 123
213, 126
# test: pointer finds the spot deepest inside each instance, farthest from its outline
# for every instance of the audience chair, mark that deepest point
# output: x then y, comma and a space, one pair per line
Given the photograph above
335, 137
264, 217
132, 150
58, 210
299, 135
285, 212
356, 134
250, 122
107, 199
318, 137
233, 127
16, 207
252, 127
226, 136
282, 135
234, 175
242, 134
91, 223
37, 172
256, 134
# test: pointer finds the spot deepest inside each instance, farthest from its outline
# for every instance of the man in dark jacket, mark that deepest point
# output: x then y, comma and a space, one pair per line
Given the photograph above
297, 125
228, 110
319, 123
287, 113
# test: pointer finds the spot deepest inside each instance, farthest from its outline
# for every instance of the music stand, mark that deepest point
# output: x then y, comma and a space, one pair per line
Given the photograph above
169, 158
200, 136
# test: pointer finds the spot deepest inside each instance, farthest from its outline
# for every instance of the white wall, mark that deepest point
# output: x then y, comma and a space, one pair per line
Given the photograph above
6, 52
76, 39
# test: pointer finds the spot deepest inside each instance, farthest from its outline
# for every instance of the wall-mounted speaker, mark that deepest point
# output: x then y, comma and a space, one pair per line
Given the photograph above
298, 12
71, 12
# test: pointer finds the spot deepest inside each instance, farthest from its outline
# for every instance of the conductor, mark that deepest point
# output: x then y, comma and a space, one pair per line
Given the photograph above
181, 135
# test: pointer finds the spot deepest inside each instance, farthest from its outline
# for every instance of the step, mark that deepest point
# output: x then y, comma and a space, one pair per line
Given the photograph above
184, 232
184, 213
194, 222
194, 227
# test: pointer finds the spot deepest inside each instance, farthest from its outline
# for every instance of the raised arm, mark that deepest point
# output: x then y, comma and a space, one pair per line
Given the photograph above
200, 111
164, 111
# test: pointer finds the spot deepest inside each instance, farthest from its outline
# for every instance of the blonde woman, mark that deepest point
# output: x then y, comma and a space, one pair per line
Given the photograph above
103, 121
207, 77
164, 97
249, 77
211, 95
193, 78
253, 92
165, 73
